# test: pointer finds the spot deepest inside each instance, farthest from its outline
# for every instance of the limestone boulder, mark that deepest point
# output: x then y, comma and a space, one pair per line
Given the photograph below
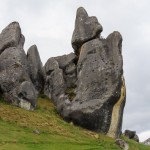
97, 99
35, 68
12, 77
86, 29
13, 56
65, 60
14, 69
54, 83
100, 92
68, 64
27, 95
10, 36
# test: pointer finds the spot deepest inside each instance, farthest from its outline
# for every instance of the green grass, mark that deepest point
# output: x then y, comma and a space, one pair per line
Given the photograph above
17, 126
134, 146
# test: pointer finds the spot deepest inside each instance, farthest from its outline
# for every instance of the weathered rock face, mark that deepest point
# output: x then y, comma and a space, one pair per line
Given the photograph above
60, 81
10, 36
14, 69
13, 56
96, 96
86, 28
54, 83
27, 94
35, 68
68, 64
60, 75
100, 86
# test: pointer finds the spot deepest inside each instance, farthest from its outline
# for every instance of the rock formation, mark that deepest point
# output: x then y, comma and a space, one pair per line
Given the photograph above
87, 86
86, 29
15, 83
94, 98
54, 83
35, 68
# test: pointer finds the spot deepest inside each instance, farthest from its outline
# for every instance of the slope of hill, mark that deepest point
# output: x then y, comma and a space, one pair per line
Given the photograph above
44, 129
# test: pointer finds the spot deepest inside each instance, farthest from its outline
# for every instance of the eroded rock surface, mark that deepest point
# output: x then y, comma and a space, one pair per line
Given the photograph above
86, 28
14, 69
54, 82
10, 36
28, 95
99, 83
35, 68
97, 100
68, 64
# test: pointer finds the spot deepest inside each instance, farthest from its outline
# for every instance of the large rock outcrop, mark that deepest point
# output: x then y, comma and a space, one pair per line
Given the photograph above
87, 86
15, 84
95, 98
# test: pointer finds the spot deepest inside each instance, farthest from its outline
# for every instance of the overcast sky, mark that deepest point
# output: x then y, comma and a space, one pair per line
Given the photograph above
49, 24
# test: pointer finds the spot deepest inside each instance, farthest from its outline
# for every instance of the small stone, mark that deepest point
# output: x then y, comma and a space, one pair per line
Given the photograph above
96, 136
36, 131
131, 135
122, 144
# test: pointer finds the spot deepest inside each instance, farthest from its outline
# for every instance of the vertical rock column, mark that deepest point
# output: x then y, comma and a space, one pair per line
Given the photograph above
100, 92
35, 68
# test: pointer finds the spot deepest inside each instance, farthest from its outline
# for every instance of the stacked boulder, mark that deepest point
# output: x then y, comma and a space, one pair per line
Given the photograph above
16, 85
87, 86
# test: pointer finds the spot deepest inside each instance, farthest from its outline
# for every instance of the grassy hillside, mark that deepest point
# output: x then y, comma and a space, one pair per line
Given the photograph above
17, 128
